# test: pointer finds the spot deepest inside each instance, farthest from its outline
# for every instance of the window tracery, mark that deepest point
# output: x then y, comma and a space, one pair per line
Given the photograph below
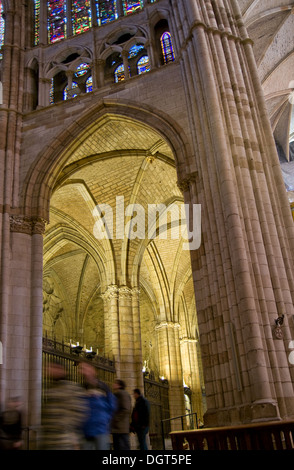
127, 51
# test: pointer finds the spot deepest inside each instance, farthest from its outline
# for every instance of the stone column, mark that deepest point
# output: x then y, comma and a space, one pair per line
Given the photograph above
191, 373
99, 73
243, 271
171, 367
10, 125
43, 23
111, 322
125, 55
120, 9
44, 92
23, 339
137, 349
122, 333
128, 340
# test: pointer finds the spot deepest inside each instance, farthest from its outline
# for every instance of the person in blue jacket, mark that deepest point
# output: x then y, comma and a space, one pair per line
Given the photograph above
101, 405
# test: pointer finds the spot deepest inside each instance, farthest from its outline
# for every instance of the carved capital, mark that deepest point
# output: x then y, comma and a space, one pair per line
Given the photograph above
135, 291
184, 185
27, 225
124, 292
110, 293
115, 292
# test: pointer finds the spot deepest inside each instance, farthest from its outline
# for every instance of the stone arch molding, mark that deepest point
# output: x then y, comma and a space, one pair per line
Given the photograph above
57, 63
47, 166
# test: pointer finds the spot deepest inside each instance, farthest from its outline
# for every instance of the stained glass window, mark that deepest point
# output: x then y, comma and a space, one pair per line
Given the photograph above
106, 11
143, 65
134, 51
119, 73
51, 95
82, 69
66, 94
167, 48
89, 84
37, 21
130, 6
56, 20
2, 28
81, 16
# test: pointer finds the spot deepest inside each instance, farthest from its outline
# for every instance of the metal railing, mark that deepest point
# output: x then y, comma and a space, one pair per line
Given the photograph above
181, 417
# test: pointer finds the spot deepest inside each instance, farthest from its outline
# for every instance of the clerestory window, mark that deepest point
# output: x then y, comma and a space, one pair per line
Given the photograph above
71, 17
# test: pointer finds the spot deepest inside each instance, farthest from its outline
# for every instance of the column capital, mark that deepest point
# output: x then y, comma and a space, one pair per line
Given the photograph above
27, 225
110, 293
185, 183
115, 291
167, 324
187, 339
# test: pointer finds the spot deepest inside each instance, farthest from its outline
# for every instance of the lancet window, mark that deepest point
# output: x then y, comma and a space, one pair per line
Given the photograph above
167, 47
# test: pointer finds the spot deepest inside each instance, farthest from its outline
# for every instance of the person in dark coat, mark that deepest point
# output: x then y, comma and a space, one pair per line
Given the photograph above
141, 418
121, 420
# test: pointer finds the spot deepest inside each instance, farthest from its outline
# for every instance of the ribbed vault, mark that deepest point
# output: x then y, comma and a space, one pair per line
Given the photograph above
119, 158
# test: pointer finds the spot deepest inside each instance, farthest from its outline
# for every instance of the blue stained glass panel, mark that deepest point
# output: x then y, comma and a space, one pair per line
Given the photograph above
106, 11
143, 65
89, 85
134, 50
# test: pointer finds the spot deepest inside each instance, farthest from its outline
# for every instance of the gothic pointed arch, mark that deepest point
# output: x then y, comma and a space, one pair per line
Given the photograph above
44, 172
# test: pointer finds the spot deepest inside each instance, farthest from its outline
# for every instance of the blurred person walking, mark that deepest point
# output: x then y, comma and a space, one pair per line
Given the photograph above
63, 413
101, 404
11, 425
121, 421
141, 418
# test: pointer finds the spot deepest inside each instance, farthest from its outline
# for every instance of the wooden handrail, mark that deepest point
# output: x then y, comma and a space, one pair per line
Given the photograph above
274, 435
